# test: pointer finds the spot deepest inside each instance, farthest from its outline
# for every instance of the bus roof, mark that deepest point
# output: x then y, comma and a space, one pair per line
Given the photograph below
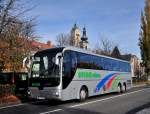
61, 49
56, 49
91, 53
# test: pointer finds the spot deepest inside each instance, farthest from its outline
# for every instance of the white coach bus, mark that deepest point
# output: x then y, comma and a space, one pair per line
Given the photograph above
67, 73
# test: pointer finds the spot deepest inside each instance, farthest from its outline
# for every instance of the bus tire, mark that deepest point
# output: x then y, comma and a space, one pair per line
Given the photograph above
119, 89
83, 95
124, 89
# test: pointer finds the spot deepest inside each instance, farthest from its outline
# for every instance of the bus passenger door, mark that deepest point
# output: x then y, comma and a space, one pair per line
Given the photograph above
69, 69
73, 85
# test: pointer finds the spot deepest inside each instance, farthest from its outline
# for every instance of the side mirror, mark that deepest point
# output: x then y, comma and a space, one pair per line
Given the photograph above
57, 58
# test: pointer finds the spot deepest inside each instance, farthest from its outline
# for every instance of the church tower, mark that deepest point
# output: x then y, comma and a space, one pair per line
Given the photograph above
84, 40
75, 36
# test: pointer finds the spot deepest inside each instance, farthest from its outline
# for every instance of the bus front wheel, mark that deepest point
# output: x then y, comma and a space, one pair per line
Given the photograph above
83, 94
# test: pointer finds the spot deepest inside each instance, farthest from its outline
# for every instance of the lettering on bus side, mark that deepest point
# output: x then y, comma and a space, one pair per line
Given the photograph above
35, 84
85, 74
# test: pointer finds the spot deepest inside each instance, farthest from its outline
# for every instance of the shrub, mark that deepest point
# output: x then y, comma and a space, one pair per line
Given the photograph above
6, 90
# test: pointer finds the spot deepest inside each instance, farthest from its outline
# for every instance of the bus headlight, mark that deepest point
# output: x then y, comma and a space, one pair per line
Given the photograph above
57, 93
29, 93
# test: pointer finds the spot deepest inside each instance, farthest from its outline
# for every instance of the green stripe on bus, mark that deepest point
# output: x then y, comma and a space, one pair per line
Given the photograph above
115, 82
35, 84
84, 74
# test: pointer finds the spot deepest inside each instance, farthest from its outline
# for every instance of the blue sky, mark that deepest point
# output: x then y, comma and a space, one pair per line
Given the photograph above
118, 20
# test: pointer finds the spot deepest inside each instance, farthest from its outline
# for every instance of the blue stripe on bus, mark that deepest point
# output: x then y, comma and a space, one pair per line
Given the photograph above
103, 81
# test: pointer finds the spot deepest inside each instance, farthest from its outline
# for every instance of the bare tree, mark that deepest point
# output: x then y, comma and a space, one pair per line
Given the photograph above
63, 39
5, 7
104, 46
10, 11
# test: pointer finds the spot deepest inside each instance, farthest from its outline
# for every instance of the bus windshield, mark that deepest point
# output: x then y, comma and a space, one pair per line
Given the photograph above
44, 66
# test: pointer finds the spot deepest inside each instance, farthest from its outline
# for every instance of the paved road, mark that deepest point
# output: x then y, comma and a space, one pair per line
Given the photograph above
128, 103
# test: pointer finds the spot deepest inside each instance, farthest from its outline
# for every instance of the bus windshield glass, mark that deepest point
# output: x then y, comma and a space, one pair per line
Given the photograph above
44, 66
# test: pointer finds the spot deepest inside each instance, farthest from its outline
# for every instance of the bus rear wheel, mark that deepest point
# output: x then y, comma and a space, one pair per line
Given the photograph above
83, 94
119, 89
124, 88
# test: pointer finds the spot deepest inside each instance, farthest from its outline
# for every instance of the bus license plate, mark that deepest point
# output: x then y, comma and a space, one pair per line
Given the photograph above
41, 98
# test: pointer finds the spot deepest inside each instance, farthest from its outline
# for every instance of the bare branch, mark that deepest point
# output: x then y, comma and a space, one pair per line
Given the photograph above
104, 46
63, 39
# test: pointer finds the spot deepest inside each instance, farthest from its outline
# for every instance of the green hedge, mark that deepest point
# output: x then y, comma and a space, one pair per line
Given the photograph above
6, 89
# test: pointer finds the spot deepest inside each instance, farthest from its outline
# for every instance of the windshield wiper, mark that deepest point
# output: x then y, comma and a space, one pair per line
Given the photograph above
44, 72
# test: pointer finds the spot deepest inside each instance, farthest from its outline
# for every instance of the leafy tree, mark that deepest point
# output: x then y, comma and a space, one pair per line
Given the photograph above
144, 40
16, 35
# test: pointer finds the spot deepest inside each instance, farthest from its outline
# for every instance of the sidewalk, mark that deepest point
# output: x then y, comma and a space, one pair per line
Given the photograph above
9, 104
139, 84
9, 100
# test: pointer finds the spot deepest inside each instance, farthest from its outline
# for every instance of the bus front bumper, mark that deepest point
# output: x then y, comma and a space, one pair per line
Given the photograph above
46, 93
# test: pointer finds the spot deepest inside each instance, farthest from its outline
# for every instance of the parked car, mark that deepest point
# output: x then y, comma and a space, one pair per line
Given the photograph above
21, 83
19, 79
6, 78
